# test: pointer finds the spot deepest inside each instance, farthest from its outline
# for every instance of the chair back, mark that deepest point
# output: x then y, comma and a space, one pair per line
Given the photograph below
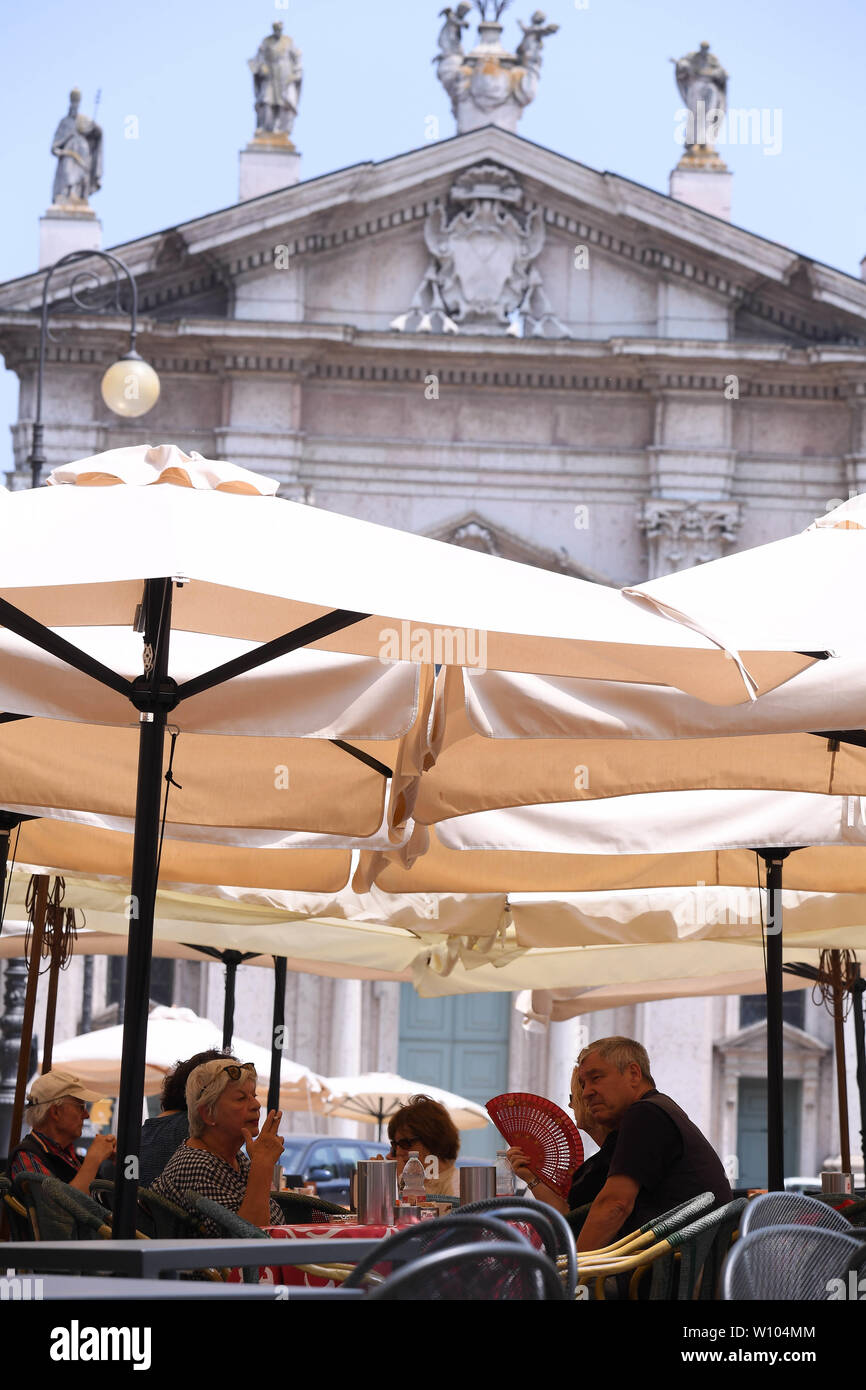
483, 1272
788, 1262
702, 1247
555, 1232
162, 1219
442, 1233
62, 1206
791, 1209
230, 1224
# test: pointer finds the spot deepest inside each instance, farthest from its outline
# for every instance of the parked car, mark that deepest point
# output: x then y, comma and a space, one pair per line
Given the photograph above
802, 1184
328, 1161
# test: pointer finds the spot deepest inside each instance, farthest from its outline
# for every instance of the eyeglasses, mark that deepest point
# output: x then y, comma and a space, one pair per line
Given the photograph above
233, 1070
404, 1143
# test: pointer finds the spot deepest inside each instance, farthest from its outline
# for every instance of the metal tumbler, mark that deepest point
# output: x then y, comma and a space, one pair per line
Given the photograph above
476, 1183
377, 1191
837, 1182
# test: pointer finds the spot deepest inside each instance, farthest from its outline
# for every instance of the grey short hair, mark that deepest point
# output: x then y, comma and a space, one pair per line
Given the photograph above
622, 1052
204, 1086
35, 1115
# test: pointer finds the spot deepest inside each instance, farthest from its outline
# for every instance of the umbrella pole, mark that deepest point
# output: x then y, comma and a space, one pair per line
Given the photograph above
231, 959
154, 697
39, 905
56, 914
841, 1079
773, 859
858, 988
278, 1031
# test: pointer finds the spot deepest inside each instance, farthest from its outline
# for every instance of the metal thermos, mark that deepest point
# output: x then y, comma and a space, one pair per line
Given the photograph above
836, 1182
476, 1183
377, 1191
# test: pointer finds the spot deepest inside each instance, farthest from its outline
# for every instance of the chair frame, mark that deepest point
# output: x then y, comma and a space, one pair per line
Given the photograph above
519, 1251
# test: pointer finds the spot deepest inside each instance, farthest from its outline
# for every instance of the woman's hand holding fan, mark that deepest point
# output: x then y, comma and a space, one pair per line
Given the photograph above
544, 1141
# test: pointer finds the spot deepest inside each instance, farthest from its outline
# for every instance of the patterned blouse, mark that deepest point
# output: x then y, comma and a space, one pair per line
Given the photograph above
197, 1170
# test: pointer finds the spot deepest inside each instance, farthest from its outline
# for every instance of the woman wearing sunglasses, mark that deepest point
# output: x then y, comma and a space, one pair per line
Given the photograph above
223, 1112
425, 1127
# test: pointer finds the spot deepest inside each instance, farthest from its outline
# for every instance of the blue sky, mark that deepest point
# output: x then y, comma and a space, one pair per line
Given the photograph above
607, 98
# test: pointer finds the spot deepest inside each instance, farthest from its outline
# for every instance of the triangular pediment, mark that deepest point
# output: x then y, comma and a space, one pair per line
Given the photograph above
754, 1037
361, 237
473, 531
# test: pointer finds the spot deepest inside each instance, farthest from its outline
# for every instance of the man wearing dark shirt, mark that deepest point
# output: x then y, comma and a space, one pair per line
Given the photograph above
660, 1158
56, 1109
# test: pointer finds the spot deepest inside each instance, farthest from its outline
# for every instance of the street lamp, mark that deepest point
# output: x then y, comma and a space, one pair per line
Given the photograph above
130, 387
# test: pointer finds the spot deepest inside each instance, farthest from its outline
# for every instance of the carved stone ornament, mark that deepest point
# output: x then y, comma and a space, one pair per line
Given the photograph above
481, 278
489, 86
682, 534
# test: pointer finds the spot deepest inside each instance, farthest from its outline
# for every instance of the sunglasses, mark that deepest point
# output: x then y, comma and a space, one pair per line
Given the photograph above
233, 1070
404, 1143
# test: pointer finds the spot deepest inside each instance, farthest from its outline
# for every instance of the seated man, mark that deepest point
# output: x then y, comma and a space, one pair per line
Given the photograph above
55, 1111
660, 1158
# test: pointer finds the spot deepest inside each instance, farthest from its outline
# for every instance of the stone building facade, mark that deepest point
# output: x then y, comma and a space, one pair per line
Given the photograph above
490, 343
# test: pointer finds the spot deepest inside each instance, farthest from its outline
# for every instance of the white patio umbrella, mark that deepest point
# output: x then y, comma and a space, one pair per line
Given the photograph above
375, 1096
173, 1034
225, 556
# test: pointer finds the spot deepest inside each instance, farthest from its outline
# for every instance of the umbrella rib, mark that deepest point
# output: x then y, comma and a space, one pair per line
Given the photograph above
363, 757
32, 631
224, 957
855, 736
269, 651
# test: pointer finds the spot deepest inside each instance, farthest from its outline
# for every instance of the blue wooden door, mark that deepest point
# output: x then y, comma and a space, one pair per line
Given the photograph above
460, 1044
752, 1130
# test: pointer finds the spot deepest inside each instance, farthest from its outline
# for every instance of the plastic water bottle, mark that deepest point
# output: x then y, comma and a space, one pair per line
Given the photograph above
412, 1189
504, 1175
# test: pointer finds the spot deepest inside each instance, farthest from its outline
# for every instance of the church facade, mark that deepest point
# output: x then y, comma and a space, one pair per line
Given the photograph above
489, 343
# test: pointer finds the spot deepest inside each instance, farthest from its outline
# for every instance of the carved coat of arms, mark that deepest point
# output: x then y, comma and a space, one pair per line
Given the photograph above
481, 278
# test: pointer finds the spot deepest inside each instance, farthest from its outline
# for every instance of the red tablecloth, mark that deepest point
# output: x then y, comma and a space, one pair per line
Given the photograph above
335, 1230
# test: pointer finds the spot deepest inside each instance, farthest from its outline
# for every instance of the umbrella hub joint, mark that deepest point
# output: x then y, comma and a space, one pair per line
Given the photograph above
151, 699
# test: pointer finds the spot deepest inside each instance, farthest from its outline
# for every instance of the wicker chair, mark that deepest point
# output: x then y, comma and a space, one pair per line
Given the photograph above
15, 1212
485, 1272
669, 1246
232, 1226
791, 1209
694, 1259
789, 1262
428, 1237
64, 1213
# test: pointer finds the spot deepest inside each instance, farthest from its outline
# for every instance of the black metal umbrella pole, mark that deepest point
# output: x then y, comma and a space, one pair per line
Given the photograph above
773, 859
155, 694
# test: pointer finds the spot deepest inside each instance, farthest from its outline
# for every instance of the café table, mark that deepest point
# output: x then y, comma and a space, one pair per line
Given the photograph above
329, 1248
338, 1233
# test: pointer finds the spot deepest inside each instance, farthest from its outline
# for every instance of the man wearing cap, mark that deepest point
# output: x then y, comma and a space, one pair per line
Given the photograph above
55, 1111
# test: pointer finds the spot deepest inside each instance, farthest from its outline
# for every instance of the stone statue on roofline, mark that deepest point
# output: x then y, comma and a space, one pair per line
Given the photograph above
490, 85
77, 145
703, 85
277, 79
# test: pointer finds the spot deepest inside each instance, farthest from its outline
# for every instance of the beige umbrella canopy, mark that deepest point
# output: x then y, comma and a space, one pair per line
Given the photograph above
373, 1097
172, 1036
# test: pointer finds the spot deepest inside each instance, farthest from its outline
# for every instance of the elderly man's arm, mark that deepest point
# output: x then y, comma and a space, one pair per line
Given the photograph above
608, 1213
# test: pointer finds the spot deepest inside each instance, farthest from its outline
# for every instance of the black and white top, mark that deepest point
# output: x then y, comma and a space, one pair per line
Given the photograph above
197, 1170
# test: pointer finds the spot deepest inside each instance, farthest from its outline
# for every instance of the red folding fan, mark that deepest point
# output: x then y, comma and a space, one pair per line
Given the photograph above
545, 1133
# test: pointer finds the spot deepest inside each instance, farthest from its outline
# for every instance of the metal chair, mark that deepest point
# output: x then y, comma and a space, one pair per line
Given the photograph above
789, 1262
489, 1271
791, 1209
440, 1234
554, 1231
